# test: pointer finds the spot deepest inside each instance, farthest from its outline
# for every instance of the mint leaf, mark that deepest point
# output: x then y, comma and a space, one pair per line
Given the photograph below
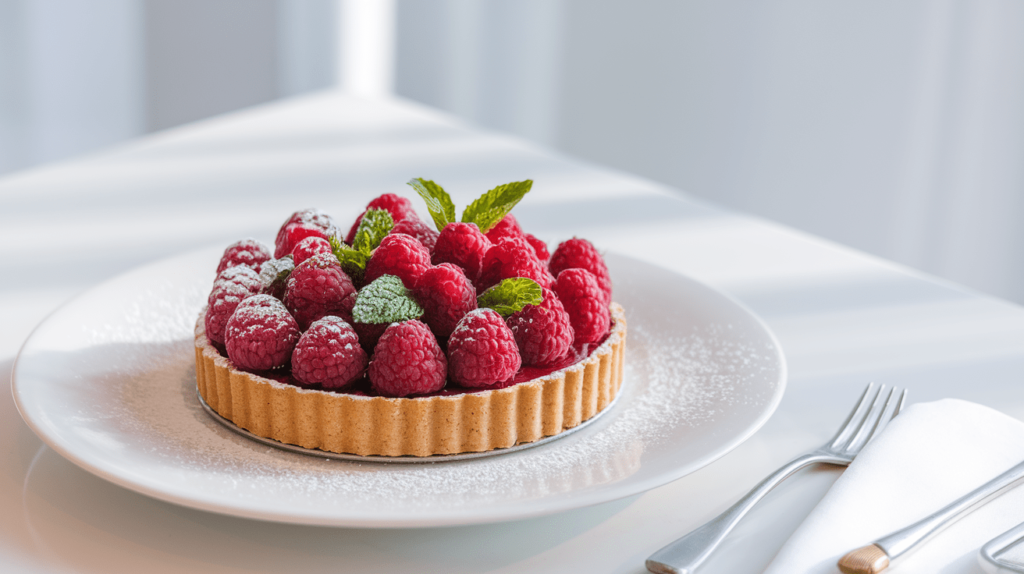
275, 273
439, 203
385, 300
353, 261
488, 209
511, 295
375, 225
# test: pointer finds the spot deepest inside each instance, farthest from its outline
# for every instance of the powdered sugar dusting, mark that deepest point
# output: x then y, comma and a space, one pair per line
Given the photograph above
689, 389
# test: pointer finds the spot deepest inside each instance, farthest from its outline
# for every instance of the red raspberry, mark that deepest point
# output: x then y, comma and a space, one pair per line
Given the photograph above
582, 254
542, 332
317, 288
507, 227
446, 295
407, 361
415, 227
309, 247
399, 255
300, 225
248, 252
539, 247
261, 334
233, 285
482, 350
463, 245
583, 300
328, 353
512, 257
347, 305
274, 276
398, 206
369, 334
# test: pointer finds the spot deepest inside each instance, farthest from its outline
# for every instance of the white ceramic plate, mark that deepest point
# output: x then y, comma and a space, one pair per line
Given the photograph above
108, 382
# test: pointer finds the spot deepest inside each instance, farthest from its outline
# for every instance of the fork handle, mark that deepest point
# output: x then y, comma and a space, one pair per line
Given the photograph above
685, 555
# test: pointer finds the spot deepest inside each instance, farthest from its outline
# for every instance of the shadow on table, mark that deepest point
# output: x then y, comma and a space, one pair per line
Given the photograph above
57, 515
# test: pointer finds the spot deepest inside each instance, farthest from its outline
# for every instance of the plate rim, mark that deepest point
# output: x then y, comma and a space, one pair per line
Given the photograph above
366, 519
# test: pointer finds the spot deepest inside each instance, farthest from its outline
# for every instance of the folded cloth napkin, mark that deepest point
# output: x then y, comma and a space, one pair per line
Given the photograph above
930, 455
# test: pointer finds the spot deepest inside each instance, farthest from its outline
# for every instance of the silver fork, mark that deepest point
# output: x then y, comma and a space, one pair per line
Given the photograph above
866, 420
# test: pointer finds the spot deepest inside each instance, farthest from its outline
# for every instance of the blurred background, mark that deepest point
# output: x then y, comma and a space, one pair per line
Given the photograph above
896, 128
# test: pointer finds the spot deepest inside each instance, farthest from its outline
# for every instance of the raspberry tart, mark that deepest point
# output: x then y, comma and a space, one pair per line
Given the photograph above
398, 340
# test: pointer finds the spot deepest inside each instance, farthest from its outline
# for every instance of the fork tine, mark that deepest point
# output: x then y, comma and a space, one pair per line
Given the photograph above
848, 424
902, 403
883, 421
867, 424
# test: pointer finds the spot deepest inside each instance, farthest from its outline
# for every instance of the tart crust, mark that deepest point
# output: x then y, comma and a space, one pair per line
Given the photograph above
422, 426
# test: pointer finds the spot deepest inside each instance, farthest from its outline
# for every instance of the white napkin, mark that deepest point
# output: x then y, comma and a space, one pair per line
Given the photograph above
930, 455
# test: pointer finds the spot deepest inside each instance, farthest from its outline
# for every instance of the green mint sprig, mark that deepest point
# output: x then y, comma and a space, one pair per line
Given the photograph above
485, 211
511, 295
490, 208
439, 203
385, 300
375, 225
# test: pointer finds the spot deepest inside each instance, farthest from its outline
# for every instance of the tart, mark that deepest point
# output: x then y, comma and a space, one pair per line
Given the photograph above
400, 341
423, 426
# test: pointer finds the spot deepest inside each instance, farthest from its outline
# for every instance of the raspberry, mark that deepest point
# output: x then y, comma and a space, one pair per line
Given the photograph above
260, 334
248, 252
463, 245
300, 225
328, 353
233, 285
347, 304
317, 288
309, 247
583, 300
512, 257
582, 254
542, 332
539, 247
274, 276
482, 350
407, 361
398, 206
415, 227
507, 227
446, 295
399, 255
369, 334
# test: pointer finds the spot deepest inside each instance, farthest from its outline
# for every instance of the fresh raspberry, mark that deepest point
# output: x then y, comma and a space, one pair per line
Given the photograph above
317, 288
232, 286
261, 334
512, 257
407, 361
507, 227
399, 255
309, 247
539, 247
542, 332
446, 295
347, 304
463, 245
583, 300
582, 254
274, 276
398, 206
369, 334
301, 225
328, 353
248, 252
415, 227
482, 350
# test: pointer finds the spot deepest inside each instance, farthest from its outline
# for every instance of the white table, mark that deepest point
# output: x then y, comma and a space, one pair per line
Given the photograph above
843, 319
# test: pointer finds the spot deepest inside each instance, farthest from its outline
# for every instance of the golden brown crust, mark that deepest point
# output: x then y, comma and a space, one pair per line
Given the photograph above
471, 422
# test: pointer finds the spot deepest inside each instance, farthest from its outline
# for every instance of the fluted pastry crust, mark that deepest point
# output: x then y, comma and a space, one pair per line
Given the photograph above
423, 426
